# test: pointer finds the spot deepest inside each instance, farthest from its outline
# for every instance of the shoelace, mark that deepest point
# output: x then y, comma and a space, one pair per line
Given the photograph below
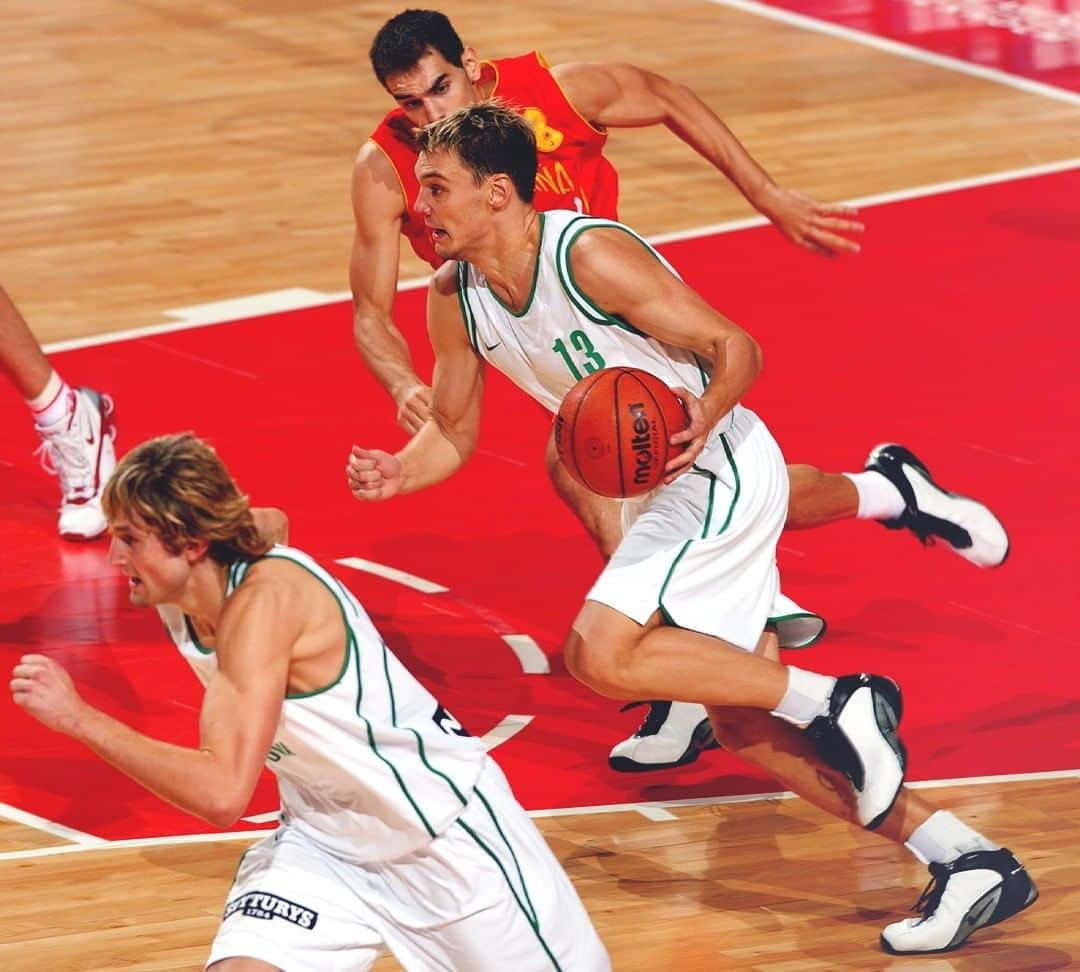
932, 893
65, 456
654, 719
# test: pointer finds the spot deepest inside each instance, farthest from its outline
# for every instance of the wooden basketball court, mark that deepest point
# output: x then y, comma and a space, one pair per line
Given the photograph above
164, 156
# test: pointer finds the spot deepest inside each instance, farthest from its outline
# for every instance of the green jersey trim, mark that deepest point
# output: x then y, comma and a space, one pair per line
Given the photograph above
593, 311
534, 924
535, 277
467, 315
509, 847
667, 615
802, 616
352, 650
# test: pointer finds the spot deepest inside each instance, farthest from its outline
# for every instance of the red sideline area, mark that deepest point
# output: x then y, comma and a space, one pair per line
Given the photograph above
953, 332
1034, 39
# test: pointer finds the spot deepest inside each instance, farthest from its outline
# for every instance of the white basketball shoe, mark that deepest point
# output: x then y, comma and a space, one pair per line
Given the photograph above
857, 736
79, 451
672, 734
931, 512
977, 889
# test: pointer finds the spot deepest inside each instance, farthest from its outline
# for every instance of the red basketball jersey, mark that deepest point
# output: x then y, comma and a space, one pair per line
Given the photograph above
572, 171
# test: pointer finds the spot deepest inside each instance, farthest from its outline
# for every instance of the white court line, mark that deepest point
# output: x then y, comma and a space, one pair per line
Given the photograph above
533, 660
883, 198
392, 573
904, 50
15, 815
647, 809
509, 727
200, 315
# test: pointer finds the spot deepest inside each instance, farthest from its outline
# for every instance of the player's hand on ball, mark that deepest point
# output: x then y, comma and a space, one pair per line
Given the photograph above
373, 474
414, 408
42, 687
692, 438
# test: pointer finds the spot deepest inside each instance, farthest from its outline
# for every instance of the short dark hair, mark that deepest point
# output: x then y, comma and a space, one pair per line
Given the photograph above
404, 39
488, 138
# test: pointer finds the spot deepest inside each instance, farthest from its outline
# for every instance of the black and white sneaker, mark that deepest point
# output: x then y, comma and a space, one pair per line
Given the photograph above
673, 734
977, 889
858, 737
966, 525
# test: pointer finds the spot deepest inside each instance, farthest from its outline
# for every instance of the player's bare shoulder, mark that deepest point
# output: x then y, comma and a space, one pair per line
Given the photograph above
444, 282
607, 251
278, 597
588, 85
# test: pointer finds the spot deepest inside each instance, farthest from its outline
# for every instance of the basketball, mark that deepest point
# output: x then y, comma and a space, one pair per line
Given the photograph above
614, 428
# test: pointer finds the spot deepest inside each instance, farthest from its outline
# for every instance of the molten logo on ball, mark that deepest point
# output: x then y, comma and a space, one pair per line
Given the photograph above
613, 431
643, 443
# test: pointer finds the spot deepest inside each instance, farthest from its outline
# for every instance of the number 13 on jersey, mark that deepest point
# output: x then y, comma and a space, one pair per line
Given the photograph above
589, 358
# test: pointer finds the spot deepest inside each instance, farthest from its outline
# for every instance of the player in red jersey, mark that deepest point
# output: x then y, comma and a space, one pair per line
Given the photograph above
422, 63
420, 60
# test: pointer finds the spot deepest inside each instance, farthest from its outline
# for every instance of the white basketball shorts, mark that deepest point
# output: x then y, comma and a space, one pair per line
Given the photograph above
703, 551
485, 896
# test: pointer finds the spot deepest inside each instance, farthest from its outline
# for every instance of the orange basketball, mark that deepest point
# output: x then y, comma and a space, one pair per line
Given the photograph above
614, 428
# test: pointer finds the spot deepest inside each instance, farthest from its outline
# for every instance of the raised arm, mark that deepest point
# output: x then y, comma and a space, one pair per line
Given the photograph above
378, 210
619, 274
448, 439
240, 712
624, 96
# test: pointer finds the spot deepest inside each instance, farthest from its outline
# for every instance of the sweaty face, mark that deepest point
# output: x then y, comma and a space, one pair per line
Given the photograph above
155, 576
434, 88
450, 202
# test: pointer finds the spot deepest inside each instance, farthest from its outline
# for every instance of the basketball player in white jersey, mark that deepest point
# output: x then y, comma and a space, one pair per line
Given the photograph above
681, 610
397, 829
421, 61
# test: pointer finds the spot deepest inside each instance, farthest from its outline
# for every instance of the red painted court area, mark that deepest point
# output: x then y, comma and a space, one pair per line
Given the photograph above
953, 332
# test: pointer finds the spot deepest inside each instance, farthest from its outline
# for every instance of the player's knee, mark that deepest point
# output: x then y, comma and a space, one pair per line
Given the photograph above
594, 664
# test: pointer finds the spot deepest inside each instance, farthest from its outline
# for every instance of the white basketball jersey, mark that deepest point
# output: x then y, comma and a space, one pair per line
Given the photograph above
370, 768
561, 335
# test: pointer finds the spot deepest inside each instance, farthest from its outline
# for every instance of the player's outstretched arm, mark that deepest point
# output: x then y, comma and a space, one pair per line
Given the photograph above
625, 96
619, 274
240, 712
448, 439
378, 208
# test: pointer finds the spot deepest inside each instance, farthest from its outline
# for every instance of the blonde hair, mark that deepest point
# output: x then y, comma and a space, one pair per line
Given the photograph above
181, 490
488, 138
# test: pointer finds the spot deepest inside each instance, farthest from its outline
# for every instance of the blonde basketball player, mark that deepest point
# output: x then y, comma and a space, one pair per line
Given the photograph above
542, 296
398, 831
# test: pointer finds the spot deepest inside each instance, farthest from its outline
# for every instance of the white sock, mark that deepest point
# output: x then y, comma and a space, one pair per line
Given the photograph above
878, 498
52, 404
941, 838
806, 698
